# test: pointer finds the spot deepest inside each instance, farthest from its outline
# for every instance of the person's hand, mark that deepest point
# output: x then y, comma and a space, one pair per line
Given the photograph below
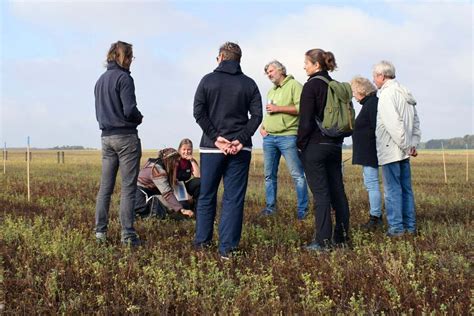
187, 213
263, 132
271, 108
223, 144
413, 152
188, 157
236, 146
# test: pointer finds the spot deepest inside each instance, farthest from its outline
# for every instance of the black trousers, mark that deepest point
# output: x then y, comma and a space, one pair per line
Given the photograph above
147, 204
322, 164
193, 188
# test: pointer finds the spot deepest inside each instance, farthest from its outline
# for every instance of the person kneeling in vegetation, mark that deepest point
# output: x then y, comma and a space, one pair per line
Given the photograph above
155, 194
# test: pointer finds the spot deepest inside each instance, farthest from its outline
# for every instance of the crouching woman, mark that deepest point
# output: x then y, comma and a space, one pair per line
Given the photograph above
155, 194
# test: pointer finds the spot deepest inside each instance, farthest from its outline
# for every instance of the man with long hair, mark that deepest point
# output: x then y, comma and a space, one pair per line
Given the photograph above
118, 117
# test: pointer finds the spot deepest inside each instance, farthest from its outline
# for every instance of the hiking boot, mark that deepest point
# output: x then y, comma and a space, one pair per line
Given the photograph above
373, 224
133, 242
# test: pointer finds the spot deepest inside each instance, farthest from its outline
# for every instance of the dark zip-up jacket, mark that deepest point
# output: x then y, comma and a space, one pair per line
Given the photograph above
364, 150
222, 103
312, 103
115, 102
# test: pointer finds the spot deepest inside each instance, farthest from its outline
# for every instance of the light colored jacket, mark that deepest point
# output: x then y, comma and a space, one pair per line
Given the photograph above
398, 125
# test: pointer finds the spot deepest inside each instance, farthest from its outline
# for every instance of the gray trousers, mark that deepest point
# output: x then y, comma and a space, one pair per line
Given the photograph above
119, 152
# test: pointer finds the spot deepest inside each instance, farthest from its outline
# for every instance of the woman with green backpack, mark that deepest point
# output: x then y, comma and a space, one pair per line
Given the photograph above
322, 154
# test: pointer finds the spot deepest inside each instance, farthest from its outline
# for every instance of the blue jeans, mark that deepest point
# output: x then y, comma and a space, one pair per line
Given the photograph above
273, 148
399, 200
234, 169
122, 151
371, 182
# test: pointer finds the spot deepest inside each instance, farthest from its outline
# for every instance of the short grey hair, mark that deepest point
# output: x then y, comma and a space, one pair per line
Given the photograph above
278, 65
362, 86
385, 68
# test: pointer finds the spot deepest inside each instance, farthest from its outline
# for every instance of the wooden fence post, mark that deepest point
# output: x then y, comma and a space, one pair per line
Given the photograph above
28, 168
444, 164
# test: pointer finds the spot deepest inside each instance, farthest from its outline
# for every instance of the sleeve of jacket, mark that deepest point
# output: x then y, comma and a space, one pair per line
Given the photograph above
373, 115
307, 115
201, 112
255, 110
416, 133
391, 119
296, 93
160, 179
129, 101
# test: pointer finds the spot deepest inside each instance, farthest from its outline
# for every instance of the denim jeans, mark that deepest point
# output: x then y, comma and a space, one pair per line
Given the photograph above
322, 164
273, 148
234, 170
371, 182
399, 200
122, 151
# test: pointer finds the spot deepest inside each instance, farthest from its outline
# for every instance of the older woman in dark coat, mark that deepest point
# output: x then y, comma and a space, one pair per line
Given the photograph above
363, 147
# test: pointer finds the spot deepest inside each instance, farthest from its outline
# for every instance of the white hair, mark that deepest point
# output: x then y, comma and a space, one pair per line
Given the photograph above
277, 65
363, 86
385, 68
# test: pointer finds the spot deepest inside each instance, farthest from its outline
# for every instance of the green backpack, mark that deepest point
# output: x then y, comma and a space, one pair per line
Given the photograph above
339, 114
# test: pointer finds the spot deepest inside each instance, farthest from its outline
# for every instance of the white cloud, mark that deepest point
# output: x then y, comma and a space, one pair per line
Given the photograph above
431, 50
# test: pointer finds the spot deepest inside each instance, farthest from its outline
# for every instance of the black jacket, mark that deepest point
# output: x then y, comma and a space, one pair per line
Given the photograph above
223, 100
364, 151
312, 104
115, 102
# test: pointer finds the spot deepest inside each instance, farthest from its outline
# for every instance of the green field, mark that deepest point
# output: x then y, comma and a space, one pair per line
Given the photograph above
50, 262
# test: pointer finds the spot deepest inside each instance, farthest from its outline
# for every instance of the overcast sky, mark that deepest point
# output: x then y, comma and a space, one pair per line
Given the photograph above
52, 53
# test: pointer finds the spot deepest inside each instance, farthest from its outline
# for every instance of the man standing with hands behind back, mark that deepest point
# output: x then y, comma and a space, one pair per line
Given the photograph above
222, 104
279, 130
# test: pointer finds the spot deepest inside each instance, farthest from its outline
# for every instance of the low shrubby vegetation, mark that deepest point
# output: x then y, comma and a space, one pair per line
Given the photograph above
50, 262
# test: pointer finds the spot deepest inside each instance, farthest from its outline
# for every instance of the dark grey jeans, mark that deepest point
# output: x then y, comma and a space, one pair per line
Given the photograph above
122, 151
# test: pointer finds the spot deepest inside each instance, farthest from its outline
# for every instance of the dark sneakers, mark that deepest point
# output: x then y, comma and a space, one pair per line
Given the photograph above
373, 224
133, 242
267, 212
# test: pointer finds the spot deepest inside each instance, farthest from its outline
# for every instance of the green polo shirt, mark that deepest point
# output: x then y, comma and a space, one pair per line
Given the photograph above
288, 93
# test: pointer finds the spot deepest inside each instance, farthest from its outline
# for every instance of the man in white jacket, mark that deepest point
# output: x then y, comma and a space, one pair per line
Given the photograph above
397, 135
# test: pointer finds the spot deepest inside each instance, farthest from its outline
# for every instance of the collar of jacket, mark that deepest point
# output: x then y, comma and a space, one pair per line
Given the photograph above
367, 97
287, 78
323, 73
229, 66
114, 65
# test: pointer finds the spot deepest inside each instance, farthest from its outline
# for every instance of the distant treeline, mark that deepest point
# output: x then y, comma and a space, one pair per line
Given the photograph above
451, 143
67, 147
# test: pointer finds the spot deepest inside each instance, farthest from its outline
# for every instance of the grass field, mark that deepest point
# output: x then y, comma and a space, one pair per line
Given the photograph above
51, 264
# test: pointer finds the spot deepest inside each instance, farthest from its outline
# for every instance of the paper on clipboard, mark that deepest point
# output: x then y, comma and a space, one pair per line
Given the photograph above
180, 191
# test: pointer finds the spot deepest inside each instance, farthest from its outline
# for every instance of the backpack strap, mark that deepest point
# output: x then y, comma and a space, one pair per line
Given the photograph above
320, 78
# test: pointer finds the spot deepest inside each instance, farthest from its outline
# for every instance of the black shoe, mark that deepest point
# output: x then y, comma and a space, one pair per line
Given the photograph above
133, 242
373, 224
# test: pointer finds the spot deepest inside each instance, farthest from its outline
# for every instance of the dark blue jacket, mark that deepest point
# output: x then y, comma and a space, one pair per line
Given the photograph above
364, 151
115, 102
223, 101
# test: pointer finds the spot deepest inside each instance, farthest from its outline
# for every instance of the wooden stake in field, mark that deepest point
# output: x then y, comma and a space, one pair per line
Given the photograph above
28, 167
444, 164
467, 163
4, 158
